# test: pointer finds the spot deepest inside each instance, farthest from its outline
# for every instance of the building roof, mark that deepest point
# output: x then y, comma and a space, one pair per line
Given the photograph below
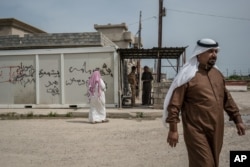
154, 53
111, 26
54, 40
20, 25
177, 53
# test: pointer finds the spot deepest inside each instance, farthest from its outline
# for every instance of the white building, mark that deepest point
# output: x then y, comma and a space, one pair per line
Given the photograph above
42, 70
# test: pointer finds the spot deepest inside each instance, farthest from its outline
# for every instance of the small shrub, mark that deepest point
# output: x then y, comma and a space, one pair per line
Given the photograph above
139, 115
51, 114
30, 114
69, 114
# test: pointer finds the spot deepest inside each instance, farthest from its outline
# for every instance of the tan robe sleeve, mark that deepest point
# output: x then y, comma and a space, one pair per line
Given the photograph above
231, 108
175, 104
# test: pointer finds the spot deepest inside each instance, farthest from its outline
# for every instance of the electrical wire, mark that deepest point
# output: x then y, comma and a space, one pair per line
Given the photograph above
212, 15
148, 18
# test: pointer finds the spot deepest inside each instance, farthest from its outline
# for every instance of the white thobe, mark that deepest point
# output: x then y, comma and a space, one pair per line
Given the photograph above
97, 111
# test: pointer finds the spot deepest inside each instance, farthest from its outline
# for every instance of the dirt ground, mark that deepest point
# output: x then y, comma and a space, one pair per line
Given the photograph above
74, 142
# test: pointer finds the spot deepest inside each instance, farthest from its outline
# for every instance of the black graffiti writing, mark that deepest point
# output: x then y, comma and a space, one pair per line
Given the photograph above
28, 81
52, 86
53, 90
104, 71
51, 83
24, 75
20, 74
83, 69
78, 81
54, 73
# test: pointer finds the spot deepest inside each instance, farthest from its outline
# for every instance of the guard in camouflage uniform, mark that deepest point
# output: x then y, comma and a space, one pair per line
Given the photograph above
132, 81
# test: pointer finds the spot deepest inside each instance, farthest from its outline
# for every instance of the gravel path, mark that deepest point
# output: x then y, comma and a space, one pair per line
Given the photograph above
120, 143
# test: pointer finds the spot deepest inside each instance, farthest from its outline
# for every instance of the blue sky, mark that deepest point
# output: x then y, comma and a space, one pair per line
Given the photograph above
227, 21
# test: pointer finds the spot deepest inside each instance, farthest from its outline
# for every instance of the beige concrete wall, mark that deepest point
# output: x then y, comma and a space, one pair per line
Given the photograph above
117, 33
236, 85
160, 90
6, 30
15, 31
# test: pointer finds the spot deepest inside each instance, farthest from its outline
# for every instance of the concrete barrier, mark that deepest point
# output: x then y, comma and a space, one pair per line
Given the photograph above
234, 85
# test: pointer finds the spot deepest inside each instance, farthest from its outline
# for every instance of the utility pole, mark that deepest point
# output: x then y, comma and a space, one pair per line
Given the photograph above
139, 36
161, 14
139, 60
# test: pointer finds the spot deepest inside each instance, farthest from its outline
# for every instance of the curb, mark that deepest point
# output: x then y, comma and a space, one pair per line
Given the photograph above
132, 113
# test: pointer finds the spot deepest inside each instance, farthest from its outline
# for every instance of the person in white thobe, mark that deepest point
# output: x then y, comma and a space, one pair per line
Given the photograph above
97, 90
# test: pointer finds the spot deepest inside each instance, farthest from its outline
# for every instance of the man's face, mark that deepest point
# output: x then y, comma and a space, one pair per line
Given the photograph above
209, 57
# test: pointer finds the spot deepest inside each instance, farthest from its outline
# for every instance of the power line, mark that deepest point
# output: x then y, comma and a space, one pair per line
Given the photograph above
212, 15
148, 18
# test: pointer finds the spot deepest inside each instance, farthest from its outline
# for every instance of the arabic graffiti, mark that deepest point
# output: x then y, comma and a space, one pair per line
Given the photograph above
20, 74
25, 75
104, 70
83, 69
52, 73
74, 80
52, 86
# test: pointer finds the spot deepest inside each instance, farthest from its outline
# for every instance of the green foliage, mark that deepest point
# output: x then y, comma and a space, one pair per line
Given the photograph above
69, 114
51, 114
30, 114
234, 77
139, 115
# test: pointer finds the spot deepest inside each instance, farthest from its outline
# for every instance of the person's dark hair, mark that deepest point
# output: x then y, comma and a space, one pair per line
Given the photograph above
133, 68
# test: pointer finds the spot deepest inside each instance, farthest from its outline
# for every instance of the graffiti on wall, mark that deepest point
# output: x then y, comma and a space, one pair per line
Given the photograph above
52, 73
25, 75
52, 85
20, 74
104, 70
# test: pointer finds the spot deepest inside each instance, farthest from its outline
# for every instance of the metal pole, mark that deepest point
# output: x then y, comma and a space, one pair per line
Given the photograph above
139, 40
139, 60
159, 39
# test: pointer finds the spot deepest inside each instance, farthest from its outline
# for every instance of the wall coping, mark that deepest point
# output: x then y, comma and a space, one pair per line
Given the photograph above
236, 82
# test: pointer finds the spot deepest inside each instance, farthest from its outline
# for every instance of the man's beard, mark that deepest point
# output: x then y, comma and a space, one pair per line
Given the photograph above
211, 62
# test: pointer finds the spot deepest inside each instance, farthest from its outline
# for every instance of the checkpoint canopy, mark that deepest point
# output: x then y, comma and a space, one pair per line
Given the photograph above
176, 53
176, 57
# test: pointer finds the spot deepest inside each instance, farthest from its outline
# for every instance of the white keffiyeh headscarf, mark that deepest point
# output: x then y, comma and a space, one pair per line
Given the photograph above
188, 71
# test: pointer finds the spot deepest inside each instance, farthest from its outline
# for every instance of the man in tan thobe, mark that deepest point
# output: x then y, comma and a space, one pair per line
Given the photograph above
201, 97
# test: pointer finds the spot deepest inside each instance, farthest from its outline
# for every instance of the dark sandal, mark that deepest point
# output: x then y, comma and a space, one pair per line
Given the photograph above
95, 122
104, 121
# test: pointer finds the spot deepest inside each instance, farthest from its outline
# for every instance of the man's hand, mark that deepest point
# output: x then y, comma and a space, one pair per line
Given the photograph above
240, 129
173, 137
